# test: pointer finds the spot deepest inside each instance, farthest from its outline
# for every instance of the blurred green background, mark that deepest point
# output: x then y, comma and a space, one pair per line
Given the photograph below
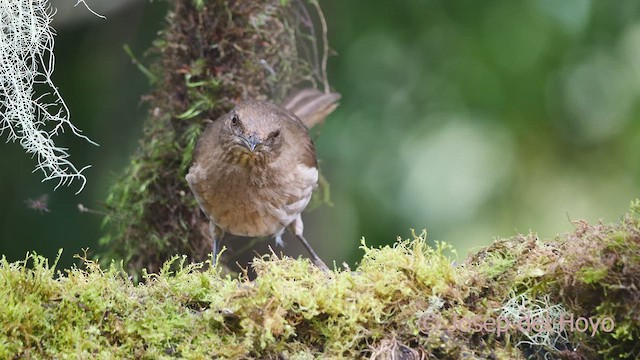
471, 119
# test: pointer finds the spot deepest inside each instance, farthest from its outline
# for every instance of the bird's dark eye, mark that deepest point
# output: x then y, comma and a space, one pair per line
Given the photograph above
236, 124
274, 134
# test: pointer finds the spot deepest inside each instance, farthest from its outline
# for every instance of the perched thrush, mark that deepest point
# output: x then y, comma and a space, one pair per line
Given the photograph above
255, 168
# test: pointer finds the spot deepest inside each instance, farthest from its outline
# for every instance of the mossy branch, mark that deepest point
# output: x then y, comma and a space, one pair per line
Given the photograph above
409, 301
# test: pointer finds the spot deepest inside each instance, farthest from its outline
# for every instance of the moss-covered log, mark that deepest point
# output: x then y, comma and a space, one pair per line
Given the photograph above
409, 301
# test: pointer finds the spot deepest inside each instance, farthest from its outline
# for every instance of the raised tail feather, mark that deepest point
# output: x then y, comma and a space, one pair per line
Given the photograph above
311, 105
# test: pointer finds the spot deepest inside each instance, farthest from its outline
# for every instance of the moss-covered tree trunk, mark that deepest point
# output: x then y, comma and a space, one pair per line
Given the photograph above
211, 54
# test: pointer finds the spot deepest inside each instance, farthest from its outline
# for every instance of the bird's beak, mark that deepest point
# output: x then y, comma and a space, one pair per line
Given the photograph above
251, 142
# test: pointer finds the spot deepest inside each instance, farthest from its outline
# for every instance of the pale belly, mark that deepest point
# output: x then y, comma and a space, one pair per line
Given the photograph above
253, 211
252, 217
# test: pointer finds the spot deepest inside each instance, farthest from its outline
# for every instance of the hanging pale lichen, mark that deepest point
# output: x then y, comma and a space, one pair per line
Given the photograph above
27, 115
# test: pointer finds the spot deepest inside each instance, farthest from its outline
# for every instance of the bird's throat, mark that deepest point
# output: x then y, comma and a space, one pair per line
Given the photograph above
245, 158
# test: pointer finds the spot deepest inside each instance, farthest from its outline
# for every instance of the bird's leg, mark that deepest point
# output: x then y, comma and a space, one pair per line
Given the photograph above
216, 237
297, 226
216, 232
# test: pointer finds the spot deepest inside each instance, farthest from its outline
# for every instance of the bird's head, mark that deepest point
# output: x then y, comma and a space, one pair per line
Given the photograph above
254, 132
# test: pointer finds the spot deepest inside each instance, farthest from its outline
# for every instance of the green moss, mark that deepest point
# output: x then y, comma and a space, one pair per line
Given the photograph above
589, 275
497, 263
291, 307
406, 300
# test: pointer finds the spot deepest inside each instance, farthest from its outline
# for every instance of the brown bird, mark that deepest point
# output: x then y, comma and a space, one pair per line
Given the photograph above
255, 168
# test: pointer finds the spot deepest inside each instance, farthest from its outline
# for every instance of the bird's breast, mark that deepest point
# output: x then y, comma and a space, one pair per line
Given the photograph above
251, 201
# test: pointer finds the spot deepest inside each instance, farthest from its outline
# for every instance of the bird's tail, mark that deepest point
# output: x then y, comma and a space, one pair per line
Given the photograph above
311, 105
